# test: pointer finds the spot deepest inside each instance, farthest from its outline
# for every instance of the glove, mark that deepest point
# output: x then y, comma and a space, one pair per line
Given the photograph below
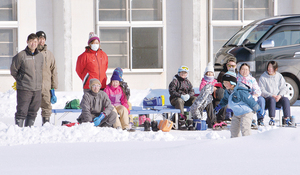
185, 97
15, 86
261, 112
217, 109
97, 120
53, 97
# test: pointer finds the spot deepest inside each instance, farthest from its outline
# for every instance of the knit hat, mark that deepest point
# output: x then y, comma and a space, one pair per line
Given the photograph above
231, 58
92, 37
183, 68
230, 76
94, 81
209, 68
115, 76
41, 33
120, 71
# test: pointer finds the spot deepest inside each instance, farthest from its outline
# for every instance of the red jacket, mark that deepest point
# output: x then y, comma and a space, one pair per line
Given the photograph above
95, 64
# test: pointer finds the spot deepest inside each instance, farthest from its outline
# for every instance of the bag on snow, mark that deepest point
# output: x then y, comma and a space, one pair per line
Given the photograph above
165, 125
154, 101
73, 104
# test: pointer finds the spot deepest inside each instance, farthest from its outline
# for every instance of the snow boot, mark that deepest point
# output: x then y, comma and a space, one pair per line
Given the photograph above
29, 122
253, 124
45, 119
272, 121
65, 123
19, 122
286, 121
260, 122
190, 123
154, 126
146, 125
181, 125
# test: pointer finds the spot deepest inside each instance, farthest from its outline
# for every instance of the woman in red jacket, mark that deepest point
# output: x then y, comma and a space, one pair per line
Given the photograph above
92, 63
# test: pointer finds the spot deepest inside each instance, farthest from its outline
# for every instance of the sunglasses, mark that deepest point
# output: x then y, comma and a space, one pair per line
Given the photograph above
231, 66
185, 68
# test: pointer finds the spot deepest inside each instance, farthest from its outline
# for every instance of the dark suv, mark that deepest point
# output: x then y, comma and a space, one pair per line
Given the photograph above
276, 38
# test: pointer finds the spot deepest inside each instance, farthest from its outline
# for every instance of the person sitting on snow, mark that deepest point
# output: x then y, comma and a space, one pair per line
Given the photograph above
96, 106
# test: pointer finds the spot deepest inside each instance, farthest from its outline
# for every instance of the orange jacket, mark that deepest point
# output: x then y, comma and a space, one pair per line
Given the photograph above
92, 64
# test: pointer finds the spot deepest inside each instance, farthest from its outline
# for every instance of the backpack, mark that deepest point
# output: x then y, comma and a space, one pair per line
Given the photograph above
154, 101
73, 104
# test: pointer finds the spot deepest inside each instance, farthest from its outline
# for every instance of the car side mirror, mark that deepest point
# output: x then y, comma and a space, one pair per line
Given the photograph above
269, 43
246, 41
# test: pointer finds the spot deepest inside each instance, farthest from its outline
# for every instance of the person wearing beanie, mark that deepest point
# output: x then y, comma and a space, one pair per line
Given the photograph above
50, 79
96, 104
237, 96
181, 93
208, 78
92, 63
119, 101
230, 63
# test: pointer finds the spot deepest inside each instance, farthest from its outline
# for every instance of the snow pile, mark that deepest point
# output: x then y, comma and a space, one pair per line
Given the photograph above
14, 135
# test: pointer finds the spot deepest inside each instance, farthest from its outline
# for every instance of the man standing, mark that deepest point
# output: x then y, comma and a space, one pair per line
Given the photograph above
27, 68
49, 78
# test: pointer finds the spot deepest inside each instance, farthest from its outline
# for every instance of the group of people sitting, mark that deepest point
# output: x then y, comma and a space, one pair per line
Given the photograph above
237, 90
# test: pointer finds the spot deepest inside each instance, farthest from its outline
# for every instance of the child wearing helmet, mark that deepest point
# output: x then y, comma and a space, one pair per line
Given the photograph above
181, 93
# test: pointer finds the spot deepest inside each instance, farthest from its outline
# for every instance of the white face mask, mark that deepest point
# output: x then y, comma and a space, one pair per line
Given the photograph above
94, 47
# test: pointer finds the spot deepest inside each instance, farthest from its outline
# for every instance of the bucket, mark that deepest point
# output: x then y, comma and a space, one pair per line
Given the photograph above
199, 124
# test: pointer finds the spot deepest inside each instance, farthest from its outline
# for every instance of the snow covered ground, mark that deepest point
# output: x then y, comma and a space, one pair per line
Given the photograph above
85, 149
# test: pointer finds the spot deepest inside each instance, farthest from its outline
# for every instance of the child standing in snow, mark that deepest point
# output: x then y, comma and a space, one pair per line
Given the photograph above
119, 101
182, 94
239, 99
209, 79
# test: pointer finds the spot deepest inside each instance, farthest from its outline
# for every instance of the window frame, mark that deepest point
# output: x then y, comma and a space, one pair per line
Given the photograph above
240, 22
13, 25
136, 24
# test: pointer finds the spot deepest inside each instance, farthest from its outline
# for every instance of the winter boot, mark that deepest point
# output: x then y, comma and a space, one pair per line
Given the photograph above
260, 122
181, 125
154, 126
253, 124
146, 125
45, 119
29, 122
65, 123
19, 122
272, 121
286, 121
190, 123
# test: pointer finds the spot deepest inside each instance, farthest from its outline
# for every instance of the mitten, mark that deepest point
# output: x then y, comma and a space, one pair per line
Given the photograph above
217, 109
53, 97
97, 120
185, 97
261, 112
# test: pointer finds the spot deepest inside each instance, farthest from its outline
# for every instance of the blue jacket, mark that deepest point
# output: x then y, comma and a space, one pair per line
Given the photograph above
240, 100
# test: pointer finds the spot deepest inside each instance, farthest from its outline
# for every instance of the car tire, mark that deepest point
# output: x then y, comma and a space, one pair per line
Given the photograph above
293, 90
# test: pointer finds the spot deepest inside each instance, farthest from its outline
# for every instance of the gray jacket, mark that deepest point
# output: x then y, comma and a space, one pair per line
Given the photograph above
272, 85
27, 68
92, 104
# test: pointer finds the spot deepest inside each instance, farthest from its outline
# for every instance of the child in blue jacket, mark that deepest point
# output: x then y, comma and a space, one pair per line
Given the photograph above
243, 105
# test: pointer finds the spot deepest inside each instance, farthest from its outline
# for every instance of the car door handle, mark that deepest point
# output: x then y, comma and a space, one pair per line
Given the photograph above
297, 54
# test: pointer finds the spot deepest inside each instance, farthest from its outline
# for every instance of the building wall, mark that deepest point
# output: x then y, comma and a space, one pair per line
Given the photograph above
67, 24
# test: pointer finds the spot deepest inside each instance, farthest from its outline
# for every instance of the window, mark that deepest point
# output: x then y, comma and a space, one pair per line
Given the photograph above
228, 16
131, 33
285, 36
8, 33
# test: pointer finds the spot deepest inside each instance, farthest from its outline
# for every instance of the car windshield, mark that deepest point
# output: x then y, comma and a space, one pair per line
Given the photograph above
251, 32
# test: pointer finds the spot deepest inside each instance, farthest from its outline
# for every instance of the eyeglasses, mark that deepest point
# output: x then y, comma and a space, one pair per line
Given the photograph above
185, 68
231, 66
96, 85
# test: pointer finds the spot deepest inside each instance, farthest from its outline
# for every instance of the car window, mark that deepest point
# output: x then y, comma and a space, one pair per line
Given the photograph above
285, 36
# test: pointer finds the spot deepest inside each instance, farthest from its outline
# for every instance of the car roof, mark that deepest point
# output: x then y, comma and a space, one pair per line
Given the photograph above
294, 18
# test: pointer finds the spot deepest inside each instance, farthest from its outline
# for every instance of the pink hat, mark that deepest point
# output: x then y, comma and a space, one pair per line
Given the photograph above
92, 37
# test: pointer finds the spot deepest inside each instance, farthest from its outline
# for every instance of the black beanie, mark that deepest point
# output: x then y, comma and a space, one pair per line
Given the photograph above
41, 33
230, 76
